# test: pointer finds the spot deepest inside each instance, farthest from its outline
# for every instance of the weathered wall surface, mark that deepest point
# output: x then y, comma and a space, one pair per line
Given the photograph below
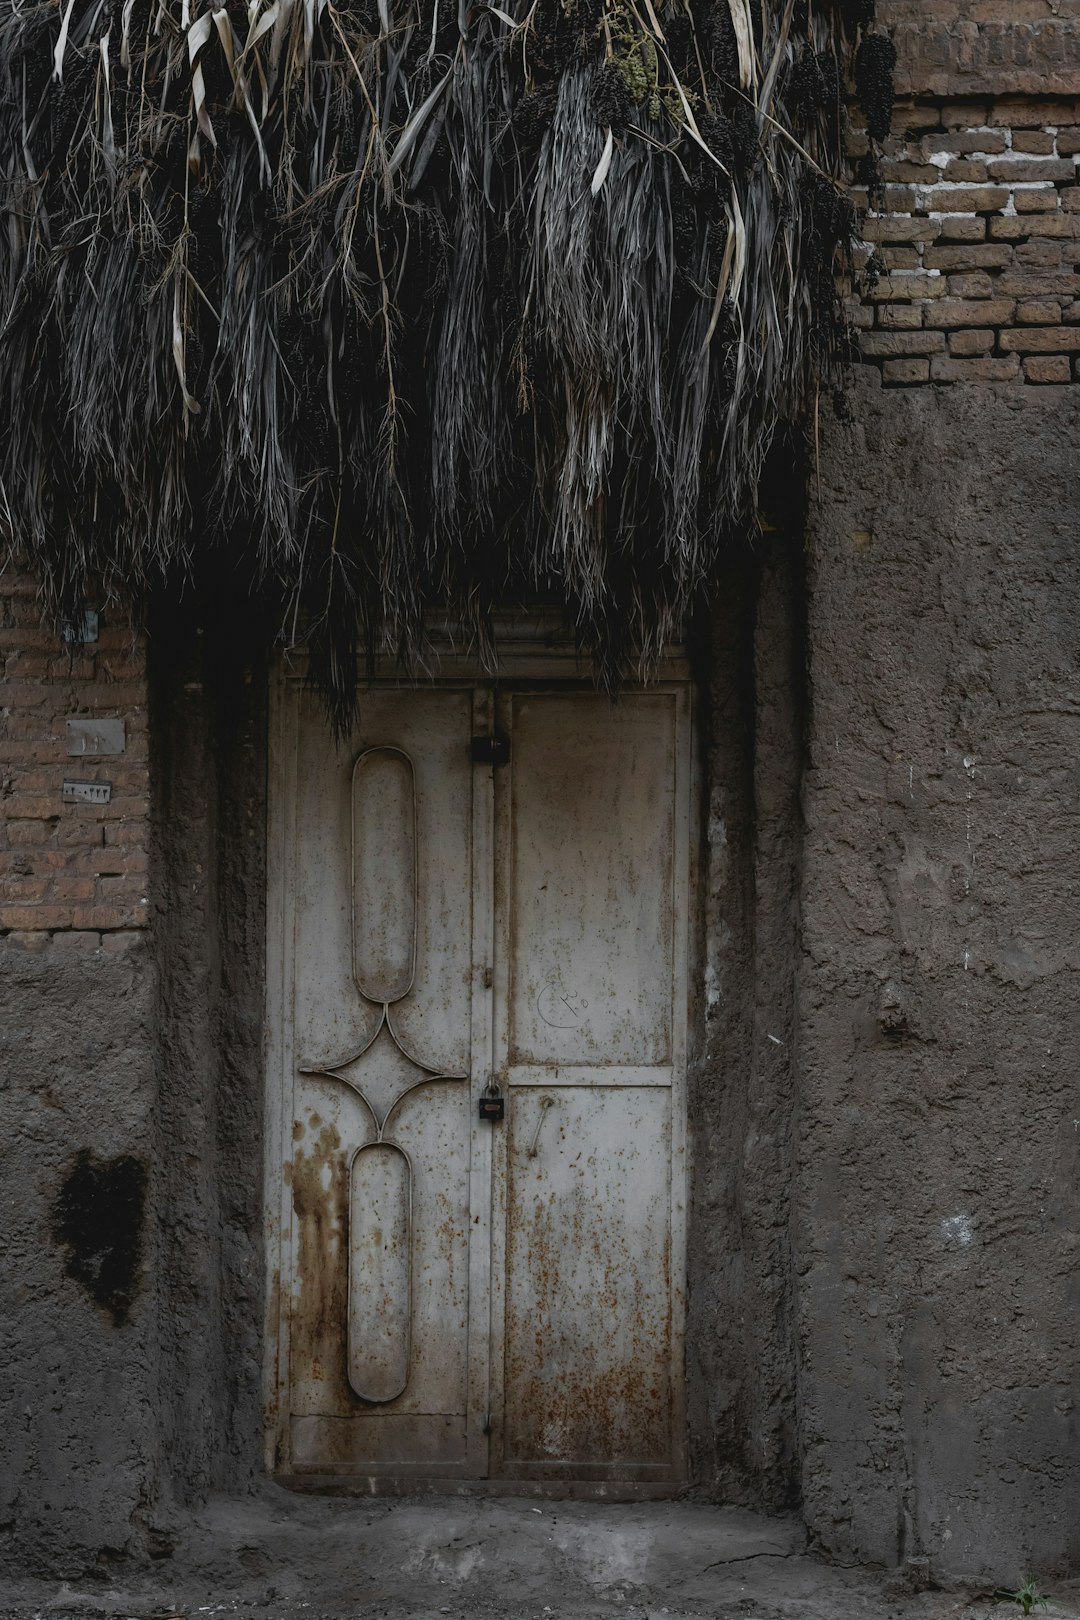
937, 1202
78, 1080
130, 1063
740, 1359
78, 1373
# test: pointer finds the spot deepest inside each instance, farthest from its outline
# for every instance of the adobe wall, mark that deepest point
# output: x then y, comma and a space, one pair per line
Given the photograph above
884, 1227
937, 1204
936, 1208
77, 1068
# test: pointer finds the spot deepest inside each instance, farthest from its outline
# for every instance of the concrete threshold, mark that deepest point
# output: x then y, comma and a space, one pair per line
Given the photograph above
497, 1558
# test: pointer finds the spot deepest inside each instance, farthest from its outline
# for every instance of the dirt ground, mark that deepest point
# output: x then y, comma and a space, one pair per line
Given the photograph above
502, 1559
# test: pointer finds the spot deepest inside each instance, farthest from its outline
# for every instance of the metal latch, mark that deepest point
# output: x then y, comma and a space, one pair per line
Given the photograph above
493, 750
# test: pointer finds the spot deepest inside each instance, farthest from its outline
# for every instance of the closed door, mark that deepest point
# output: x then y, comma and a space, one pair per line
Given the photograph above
477, 1011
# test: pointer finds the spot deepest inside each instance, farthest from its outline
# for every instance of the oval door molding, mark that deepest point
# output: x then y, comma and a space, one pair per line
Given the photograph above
380, 1271
384, 874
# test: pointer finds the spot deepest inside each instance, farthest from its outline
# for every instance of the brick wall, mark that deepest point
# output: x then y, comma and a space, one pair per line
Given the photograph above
75, 872
976, 236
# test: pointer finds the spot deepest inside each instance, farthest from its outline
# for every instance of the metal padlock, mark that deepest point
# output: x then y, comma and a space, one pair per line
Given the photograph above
492, 1104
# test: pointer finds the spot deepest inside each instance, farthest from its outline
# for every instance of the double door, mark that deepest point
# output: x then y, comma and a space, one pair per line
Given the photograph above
477, 1041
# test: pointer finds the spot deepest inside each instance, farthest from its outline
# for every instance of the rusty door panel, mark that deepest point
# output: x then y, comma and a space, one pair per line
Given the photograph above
592, 842
457, 1297
591, 903
588, 1287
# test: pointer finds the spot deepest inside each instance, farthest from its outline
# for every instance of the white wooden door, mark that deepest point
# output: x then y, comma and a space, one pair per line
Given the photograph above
452, 1297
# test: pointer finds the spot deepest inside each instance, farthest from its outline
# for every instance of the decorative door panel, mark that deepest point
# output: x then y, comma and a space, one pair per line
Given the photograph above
452, 1296
377, 909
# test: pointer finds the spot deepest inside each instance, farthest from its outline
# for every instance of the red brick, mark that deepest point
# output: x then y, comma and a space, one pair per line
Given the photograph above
973, 312
963, 228
125, 832
115, 695
1047, 368
111, 860
1042, 339
28, 808
1036, 284
1044, 314
903, 169
126, 886
1014, 171
889, 345
15, 886
1024, 112
1068, 140
965, 169
72, 888
976, 256
970, 340
29, 636
25, 941
1036, 202
974, 284
1038, 255
79, 834
12, 583
69, 667
963, 199
964, 140
900, 317
1033, 140
905, 371
71, 940
900, 258
882, 228
23, 666
914, 284
946, 369
23, 834
964, 115
35, 860
109, 916
123, 666
34, 916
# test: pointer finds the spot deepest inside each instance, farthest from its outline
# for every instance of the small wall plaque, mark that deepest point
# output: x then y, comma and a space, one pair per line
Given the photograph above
98, 736
84, 629
87, 792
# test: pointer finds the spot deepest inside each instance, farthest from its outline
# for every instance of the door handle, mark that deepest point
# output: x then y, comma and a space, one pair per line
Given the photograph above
545, 1104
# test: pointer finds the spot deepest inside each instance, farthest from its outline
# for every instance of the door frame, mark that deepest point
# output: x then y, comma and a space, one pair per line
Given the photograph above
532, 655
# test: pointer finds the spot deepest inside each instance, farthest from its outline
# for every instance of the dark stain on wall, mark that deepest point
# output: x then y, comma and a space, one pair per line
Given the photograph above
98, 1218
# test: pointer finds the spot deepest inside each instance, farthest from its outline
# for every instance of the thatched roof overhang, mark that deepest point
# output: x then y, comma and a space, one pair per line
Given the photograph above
401, 302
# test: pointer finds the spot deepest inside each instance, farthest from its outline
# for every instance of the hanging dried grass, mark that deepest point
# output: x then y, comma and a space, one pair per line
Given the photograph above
412, 302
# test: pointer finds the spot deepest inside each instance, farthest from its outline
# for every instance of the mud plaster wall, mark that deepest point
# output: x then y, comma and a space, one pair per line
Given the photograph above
740, 1338
209, 679
937, 1210
77, 1386
883, 1233
132, 1357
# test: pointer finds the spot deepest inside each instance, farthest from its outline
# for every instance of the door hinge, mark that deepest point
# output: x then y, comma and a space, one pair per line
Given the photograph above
493, 750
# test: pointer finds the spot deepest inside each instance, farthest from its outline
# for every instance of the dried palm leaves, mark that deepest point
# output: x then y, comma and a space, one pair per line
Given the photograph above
405, 302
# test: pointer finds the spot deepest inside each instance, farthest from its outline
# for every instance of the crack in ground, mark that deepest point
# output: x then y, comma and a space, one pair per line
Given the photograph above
746, 1558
